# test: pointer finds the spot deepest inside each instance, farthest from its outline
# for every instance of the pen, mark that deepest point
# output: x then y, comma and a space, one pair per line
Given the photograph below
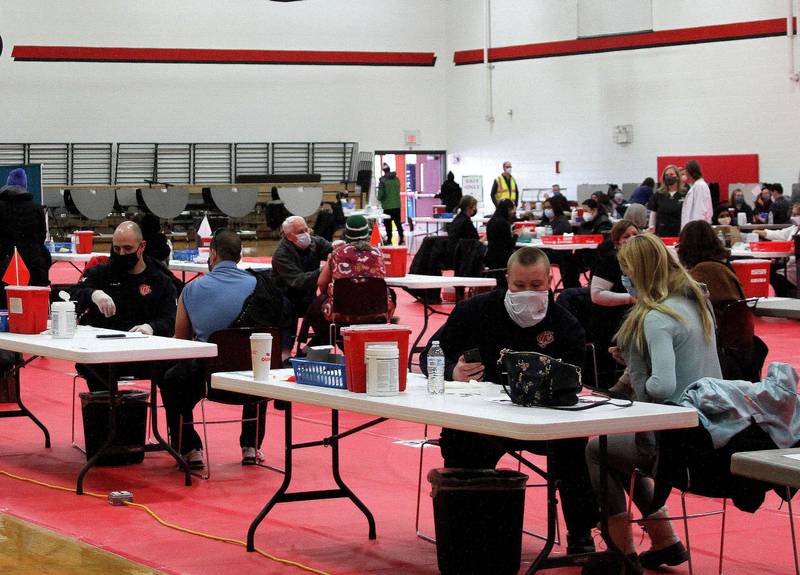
110, 335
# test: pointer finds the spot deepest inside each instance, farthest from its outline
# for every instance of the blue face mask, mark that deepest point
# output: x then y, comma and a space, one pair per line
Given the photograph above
628, 285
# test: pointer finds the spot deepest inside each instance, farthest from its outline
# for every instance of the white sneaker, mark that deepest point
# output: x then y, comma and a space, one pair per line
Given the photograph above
251, 456
194, 459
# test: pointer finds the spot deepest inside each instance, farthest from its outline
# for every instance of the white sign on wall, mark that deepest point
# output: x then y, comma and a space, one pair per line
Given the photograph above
473, 186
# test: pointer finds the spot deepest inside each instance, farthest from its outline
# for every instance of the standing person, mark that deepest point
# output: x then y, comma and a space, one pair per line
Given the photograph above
389, 197
525, 317
22, 225
697, 205
668, 343
500, 241
132, 292
666, 204
780, 208
643, 193
505, 186
450, 193
208, 304
296, 261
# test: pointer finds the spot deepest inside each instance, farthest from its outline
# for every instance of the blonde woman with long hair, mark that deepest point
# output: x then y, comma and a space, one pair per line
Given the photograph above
668, 342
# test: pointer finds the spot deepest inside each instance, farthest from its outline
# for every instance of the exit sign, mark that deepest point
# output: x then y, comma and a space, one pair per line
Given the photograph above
411, 137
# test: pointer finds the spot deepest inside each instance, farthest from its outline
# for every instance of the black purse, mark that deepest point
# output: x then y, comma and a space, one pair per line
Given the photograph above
536, 380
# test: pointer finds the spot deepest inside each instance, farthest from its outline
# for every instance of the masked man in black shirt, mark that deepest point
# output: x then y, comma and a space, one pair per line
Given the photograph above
131, 293
522, 318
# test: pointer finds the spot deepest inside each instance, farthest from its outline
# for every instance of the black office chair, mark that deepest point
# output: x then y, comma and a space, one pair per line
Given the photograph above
233, 354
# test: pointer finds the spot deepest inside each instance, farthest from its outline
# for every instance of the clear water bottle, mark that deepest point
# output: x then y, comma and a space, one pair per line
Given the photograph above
435, 369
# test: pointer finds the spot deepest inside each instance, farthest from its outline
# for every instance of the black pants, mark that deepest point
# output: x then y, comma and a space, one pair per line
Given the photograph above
97, 375
567, 467
183, 386
782, 286
395, 217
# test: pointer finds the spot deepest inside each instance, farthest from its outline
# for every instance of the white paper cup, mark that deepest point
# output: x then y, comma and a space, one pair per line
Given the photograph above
261, 352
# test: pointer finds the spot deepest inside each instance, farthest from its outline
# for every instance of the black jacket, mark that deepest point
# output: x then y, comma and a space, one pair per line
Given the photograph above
450, 193
22, 224
501, 243
148, 297
482, 322
601, 223
296, 271
461, 228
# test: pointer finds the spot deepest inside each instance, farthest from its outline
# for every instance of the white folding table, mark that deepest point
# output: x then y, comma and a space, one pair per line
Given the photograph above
73, 258
785, 307
486, 411
86, 348
536, 243
202, 268
410, 282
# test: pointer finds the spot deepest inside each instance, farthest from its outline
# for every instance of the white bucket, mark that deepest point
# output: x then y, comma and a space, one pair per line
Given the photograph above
382, 362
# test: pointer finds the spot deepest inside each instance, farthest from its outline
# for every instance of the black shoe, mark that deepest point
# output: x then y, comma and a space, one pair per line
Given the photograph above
673, 555
608, 564
577, 544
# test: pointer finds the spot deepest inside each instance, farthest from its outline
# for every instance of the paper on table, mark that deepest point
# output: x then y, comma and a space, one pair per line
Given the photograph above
793, 456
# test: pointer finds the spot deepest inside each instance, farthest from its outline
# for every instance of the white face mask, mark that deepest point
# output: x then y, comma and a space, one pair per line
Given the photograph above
588, 216
549, 213
303, 240
796, 220
508, 170
526, 308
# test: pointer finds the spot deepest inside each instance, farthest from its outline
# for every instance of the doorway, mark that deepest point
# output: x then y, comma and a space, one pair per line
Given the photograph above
421, 175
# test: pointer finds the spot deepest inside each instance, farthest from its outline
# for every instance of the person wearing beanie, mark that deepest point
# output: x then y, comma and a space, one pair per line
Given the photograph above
22, 225
356, 258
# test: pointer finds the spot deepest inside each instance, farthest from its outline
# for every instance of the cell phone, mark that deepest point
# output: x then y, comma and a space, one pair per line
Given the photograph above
472, 355
110, 335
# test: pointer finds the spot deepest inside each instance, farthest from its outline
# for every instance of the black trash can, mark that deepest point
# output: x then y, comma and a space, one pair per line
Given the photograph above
478, 518
131, 424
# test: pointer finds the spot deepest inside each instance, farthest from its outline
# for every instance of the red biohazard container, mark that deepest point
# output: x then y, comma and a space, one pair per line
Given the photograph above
523, 227
356, 338
85, 241
754, 276
394, 260
771, 246
670, 241
439, 209
28, 307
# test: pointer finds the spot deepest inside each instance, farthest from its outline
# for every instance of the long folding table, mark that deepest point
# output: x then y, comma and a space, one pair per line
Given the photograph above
86, 348
486, 411
199, 269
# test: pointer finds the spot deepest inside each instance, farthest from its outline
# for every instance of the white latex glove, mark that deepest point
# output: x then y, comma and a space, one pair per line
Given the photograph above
145, 328
104, 303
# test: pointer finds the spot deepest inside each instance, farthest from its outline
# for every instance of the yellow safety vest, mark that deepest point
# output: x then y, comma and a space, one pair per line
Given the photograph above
502, 189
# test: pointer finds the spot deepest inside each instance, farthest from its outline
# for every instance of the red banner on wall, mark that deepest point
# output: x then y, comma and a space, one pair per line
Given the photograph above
727, 169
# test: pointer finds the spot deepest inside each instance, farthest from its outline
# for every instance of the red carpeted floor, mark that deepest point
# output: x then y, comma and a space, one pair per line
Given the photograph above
327, 535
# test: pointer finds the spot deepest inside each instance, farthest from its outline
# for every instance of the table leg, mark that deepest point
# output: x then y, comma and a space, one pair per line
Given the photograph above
155, 378
23, 411
283, 496
112, 427
427, 313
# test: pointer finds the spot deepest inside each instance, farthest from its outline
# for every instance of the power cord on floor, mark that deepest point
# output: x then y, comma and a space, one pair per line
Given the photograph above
152, 514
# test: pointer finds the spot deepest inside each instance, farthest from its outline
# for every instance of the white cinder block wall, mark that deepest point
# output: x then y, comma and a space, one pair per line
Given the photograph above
99, 102
720, 98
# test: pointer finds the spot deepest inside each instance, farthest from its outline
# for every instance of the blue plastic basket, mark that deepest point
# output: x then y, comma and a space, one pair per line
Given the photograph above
319, 373
185, 255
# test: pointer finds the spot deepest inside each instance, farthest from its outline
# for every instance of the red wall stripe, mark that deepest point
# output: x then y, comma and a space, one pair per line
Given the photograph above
202, 56
718, 33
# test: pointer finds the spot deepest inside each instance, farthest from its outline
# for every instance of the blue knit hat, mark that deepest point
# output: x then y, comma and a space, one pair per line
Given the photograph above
17, 177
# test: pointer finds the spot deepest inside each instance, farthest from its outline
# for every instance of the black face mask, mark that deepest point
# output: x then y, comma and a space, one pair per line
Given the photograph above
123, 262
738, 200
670, 180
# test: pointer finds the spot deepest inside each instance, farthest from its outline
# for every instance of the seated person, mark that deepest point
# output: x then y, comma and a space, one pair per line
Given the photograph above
462, 228
208, 304
500, 241
780, 208
618, 205
595, 222
157, 246
354, 259
762, 204
129, 293
296, 263
637, 214
556, 215
524, 318
610, 300
706, 260
740, 205
784, 285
